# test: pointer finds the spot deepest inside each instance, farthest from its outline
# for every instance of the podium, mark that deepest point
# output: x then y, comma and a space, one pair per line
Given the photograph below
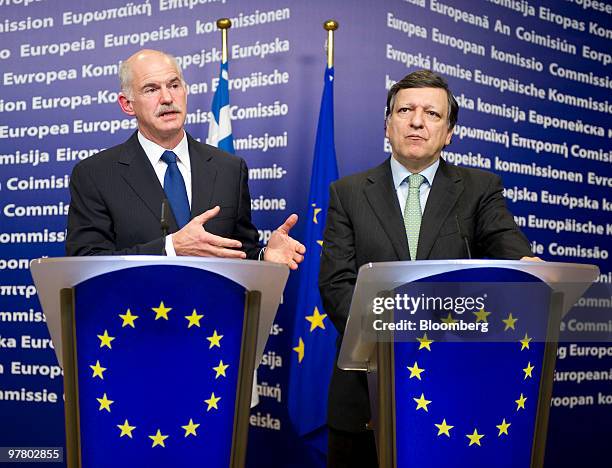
158, 354
460, 356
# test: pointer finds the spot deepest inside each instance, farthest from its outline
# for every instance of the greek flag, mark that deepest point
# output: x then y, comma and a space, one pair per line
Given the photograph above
220, 127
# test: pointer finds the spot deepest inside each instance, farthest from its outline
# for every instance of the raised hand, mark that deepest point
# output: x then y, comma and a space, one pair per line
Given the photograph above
282, 248
194, 240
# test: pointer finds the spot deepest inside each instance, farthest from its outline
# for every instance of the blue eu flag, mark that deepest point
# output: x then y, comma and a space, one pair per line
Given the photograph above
157, 368
314, 335
473, 403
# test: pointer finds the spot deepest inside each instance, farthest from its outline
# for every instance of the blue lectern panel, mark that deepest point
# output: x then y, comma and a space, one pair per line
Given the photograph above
474, 404
158, 353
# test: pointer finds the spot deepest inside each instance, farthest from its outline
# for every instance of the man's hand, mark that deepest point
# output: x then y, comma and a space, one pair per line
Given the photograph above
193, 239
532, 259
284, 249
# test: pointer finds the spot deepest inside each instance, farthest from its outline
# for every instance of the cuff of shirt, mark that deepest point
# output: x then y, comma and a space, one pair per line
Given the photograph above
170, 252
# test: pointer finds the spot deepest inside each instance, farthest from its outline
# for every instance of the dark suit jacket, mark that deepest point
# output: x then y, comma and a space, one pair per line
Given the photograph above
116, 200
365, 224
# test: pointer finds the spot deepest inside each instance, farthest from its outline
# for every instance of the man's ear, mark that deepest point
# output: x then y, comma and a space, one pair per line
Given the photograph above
125, 104
449, 137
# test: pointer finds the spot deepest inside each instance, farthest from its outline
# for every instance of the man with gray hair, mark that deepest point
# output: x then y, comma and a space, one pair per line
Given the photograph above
117, 194
414, 206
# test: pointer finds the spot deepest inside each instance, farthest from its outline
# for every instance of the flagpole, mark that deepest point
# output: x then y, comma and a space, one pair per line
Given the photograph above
224, 24
330, 26
314, 336
220, 126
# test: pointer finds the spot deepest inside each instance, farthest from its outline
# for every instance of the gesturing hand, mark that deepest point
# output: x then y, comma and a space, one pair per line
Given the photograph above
284, 249
194, 240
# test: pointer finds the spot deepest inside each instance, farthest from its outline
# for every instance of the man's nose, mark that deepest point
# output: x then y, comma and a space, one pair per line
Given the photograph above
165, 95
416, 118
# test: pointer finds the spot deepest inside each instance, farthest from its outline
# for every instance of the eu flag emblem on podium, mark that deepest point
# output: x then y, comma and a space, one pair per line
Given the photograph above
157, 368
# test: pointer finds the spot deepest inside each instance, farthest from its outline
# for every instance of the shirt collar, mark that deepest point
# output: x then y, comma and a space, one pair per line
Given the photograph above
400, 173
154, 151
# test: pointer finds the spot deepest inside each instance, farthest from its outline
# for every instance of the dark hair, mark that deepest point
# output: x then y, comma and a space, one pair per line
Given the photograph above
424, 79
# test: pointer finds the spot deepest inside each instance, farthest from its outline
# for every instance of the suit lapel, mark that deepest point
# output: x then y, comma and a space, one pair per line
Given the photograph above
140, 175
203, 175
381, 196
445, 192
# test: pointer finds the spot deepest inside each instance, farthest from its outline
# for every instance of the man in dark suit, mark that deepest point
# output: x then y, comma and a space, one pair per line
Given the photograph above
414, 206
116, 195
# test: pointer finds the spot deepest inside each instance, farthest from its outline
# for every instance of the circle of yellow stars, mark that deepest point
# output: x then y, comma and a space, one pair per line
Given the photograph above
317, 321
422, 403
128, 320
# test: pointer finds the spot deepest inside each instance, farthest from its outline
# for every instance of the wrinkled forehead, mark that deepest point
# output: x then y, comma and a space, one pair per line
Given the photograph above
429, 98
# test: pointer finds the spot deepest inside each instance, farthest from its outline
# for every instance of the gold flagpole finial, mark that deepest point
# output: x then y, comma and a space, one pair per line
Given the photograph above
224, 24
330, 26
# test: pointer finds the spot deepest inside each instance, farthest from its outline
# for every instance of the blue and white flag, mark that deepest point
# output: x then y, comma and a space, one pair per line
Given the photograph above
220, 127
314, 336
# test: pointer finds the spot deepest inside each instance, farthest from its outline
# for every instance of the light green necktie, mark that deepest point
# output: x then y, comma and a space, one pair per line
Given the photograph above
412, 213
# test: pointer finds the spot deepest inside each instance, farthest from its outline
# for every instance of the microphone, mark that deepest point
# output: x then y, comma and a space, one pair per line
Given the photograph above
163, 222
163, 219
464, 237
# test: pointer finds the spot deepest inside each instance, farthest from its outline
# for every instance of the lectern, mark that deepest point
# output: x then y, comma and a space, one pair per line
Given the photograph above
460, 356
158, 355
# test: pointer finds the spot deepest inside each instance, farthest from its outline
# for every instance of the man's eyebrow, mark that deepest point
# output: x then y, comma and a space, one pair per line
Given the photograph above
413, 104
149, 85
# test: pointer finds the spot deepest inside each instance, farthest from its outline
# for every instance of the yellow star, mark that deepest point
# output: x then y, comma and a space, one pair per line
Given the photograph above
415, 371
128, 319
503, 428
212, 401
425, 342
316, 319
98, 370
220, 369
299, 349
215, 340
444, 428
158, 439
520, 403
105, 340
475, 438
525, 342
104, 403
126, 429
422, 402
449, 319
481, 315
528, 370
190, 429
510, 321
316, 212
161, 311
194, 319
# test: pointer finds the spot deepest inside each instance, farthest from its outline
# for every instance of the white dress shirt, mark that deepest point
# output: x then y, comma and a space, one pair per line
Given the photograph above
400, 183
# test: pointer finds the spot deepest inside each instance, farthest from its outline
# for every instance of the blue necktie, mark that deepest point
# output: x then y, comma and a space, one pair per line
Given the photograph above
174, 186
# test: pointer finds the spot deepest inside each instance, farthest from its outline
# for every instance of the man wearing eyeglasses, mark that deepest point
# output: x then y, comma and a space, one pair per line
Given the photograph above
414, 206
117, 195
